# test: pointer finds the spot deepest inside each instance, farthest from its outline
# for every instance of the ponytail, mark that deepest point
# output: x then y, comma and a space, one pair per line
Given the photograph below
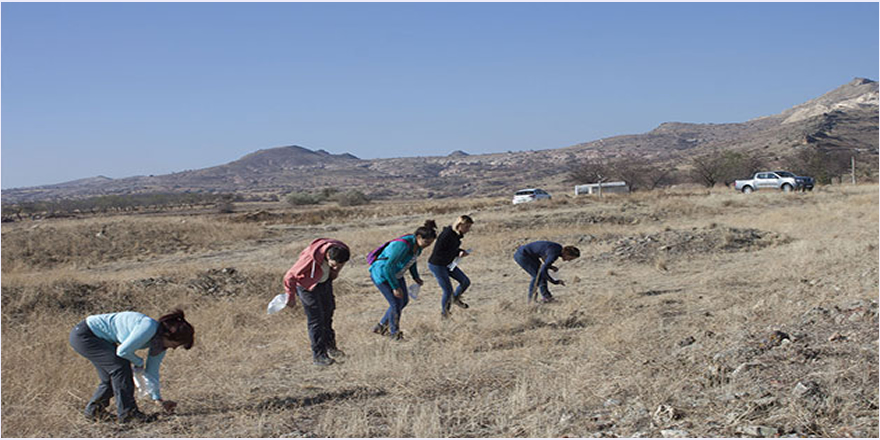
428, 230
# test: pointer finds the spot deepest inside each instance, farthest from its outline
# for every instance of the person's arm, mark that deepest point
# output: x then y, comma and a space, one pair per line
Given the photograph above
152, 369
139, 337
548, 263
414, 272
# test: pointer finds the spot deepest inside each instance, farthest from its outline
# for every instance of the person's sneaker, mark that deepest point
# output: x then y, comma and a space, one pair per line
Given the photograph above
335, 352
396, 336
444, 316
136, 416
457, 301
380, 329
323, 361
100, 416
545, 300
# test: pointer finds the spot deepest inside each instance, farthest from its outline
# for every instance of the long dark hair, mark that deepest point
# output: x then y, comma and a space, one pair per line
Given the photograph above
428, 230
176, 328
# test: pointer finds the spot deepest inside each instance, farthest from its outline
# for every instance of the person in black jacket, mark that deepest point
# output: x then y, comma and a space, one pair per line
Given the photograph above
537, 258
446, 250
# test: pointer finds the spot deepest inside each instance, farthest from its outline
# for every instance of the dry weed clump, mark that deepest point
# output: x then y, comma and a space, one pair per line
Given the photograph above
81, 243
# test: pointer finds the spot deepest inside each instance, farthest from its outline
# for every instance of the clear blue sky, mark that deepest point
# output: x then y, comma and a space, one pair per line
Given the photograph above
124, 89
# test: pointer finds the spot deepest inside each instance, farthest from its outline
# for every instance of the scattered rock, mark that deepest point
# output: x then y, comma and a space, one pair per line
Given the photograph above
758, 431
686, 341
836, 337
806, 389
674, 433
664, 414
775, 339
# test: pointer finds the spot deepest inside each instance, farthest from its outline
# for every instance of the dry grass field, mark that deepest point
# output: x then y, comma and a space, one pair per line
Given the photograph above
690, 313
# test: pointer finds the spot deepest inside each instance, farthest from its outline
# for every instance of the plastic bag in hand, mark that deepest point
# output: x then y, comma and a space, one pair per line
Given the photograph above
145, 383
413, 291
457, 260
277, 303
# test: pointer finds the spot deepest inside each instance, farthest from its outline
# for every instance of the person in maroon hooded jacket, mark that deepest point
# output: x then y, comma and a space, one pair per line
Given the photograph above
311, 278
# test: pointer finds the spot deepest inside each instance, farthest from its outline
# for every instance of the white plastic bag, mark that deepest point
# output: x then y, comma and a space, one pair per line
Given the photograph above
553, 274
413, 291
145, 383
457, 260
277, 303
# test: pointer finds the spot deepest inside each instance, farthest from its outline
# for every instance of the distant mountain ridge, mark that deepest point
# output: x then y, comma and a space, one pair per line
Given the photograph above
846, 117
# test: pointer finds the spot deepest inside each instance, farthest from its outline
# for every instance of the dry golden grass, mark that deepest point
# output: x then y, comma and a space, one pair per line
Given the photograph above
638, 325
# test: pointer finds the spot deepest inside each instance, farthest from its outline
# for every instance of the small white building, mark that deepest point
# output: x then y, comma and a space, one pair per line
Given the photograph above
602, 188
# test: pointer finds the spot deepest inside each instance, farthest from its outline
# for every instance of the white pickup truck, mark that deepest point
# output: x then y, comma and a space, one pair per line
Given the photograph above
768, 180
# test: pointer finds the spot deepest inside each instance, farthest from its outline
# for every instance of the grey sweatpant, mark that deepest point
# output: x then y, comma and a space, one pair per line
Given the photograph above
114, 371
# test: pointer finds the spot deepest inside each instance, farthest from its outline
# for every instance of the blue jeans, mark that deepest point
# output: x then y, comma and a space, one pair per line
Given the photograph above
443, 274
532, 266
396, 305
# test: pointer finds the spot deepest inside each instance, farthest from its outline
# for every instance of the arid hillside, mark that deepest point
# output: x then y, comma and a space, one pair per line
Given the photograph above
691, 313
843, 122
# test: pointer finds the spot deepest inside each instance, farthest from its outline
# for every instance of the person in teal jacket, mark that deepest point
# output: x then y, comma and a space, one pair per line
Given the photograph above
110, 340
387, 273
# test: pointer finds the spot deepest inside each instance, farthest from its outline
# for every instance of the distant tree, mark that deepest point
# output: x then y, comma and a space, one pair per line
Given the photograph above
820, 164
304, 198
638, 172
707, 169
724, 167
739, 165
226, 204
351, 198
588, 171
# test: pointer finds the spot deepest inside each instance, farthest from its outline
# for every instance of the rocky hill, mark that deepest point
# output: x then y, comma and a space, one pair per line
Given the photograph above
844, 118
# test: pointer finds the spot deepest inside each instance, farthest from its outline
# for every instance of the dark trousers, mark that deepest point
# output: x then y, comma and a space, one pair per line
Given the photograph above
114, 371
443, 274
319, 305
532, 266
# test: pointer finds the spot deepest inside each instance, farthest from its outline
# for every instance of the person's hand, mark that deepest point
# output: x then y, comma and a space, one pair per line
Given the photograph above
291, 300
420, 281
561, 282
334, 273
168, 405
463, 253
398, 293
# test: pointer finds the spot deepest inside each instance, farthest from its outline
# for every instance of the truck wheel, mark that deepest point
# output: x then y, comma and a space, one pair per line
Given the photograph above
747, 190
786, 187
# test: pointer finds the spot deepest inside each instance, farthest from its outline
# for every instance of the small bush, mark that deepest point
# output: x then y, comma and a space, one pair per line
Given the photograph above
352, 198
300, 199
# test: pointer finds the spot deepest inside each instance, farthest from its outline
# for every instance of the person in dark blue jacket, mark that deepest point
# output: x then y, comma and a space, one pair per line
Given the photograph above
446, 250
537, 258
399, 257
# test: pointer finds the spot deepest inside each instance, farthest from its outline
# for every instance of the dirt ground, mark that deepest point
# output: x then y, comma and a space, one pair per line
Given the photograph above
691, 313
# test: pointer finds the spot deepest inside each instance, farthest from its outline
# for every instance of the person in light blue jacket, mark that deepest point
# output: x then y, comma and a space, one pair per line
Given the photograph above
398, 257
110, 340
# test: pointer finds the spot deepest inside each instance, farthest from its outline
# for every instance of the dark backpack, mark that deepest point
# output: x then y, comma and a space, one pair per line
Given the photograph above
374, 254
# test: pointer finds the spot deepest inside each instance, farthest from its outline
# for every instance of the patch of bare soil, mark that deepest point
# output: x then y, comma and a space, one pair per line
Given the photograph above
678, 243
